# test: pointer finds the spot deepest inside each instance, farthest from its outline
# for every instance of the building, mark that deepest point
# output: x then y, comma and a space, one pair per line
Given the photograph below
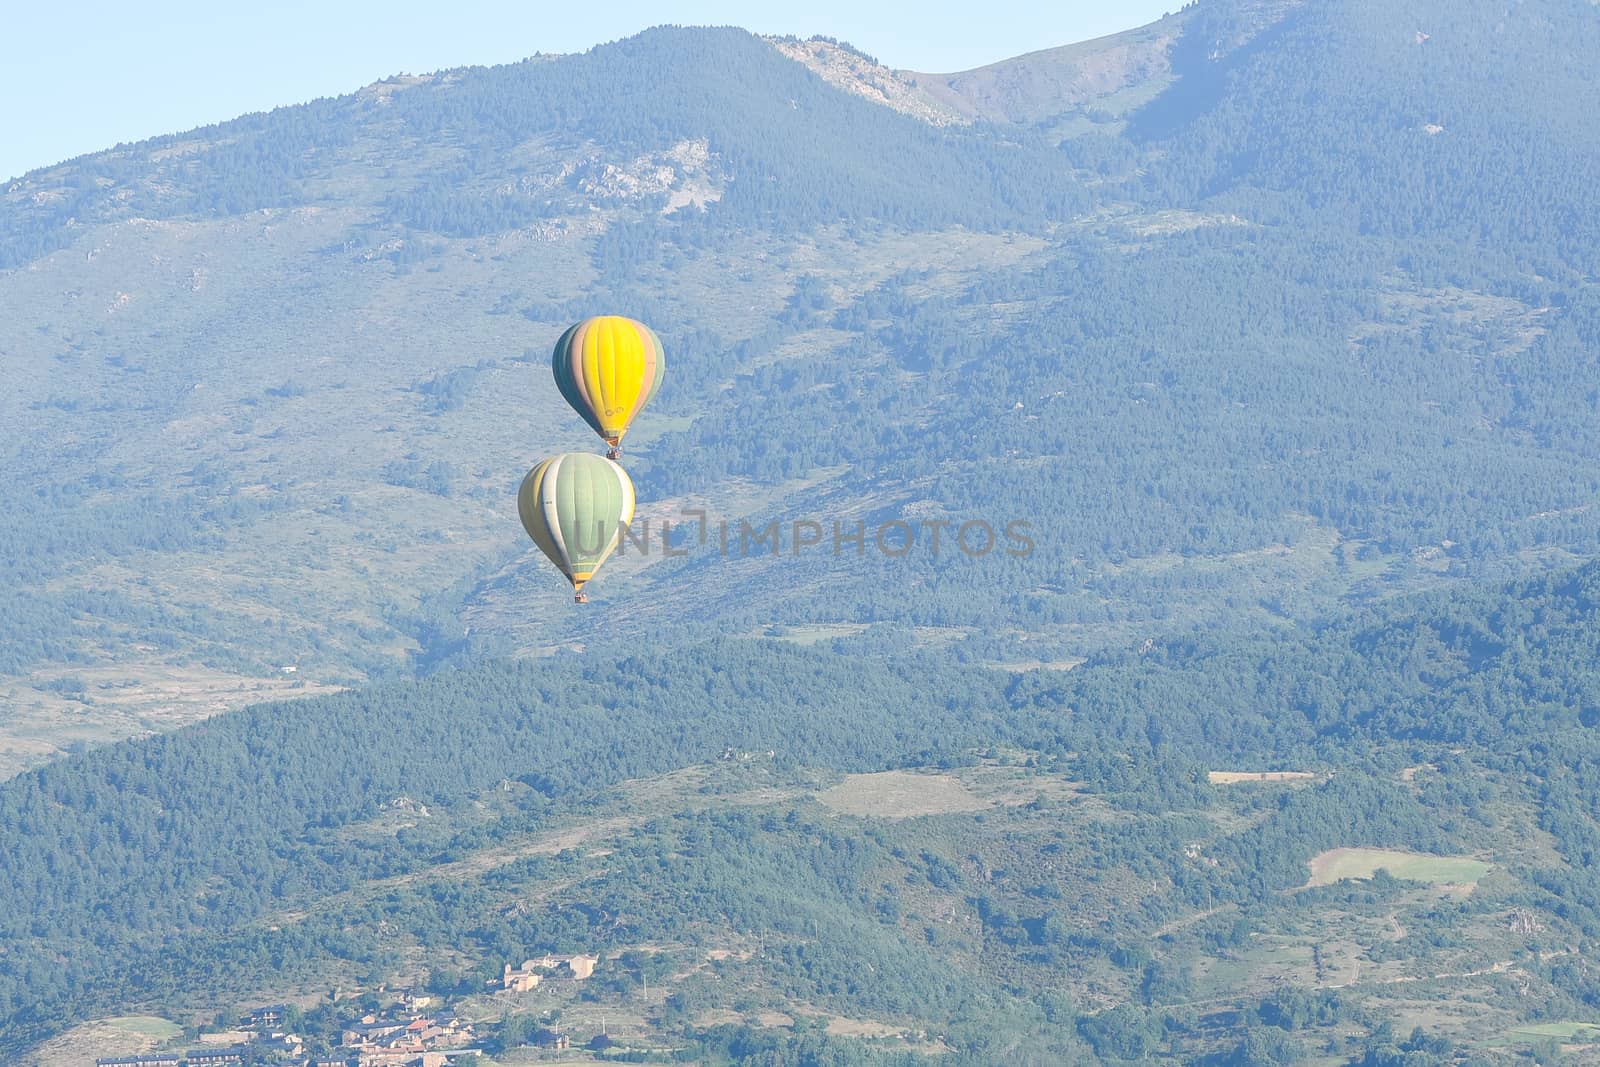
434, 1032
268, 1018
522, 978
290, 1043
214, 1057
228, 1037
370, 1031
415, 1002
430, 1058
151, 1059
526, 977
402, 1058
373, 1032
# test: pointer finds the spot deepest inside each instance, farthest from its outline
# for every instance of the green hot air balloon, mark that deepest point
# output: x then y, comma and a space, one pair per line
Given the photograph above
575, 506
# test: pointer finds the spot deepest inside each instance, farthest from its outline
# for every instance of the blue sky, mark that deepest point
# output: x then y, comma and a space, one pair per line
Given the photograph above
76, 77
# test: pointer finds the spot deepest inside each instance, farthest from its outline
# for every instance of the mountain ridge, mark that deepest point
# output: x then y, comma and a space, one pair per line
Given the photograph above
1293, 396
275, 876
1074, 88
362, 288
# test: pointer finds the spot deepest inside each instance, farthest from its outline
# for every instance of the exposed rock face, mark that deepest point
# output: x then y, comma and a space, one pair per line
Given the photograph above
1113, 73
687, 174
856, 73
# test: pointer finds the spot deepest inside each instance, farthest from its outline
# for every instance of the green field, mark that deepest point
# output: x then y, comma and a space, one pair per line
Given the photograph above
146, 1026
1338, 864
1566, 1031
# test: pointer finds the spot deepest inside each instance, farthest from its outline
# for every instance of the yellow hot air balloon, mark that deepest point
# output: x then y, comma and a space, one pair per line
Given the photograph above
575, 506
608, 368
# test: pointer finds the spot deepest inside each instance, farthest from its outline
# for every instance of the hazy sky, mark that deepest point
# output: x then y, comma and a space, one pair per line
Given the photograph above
80, 76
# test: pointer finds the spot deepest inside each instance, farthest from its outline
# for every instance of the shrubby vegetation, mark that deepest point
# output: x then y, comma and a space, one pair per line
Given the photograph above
1393, 354
798, 152
1214, 410
1361, 117
855, 161
146, 878
1283, 302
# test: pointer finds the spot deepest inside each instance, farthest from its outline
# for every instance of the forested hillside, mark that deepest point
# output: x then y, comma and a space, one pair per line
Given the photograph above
1261, 341
1091, 833
1248, 347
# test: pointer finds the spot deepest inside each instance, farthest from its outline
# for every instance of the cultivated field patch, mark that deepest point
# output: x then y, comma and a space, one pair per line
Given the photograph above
1340, 863
1564, 1031
900, 795
1235, 777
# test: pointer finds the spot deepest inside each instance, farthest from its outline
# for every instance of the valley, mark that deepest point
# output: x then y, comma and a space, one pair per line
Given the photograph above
1271, 325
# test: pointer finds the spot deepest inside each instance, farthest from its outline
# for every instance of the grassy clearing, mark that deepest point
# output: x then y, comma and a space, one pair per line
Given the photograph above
1565, 1031
145, 1026
1235, 777
842, 1027
812, 633
1340, 863
120, 1036
123, 700
1008, 786
900, 795
1026, 665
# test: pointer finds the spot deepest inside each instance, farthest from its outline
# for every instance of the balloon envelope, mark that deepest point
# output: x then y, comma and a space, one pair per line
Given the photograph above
608, 368
575, 506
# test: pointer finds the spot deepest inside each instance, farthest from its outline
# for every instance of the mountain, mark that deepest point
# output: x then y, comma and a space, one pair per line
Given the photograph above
277, 379
230, 313
1110, 74
1136, 856
1243, 362
1069, 89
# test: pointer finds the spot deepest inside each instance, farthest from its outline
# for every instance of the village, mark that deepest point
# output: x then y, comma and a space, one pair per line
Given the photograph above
410, 1028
